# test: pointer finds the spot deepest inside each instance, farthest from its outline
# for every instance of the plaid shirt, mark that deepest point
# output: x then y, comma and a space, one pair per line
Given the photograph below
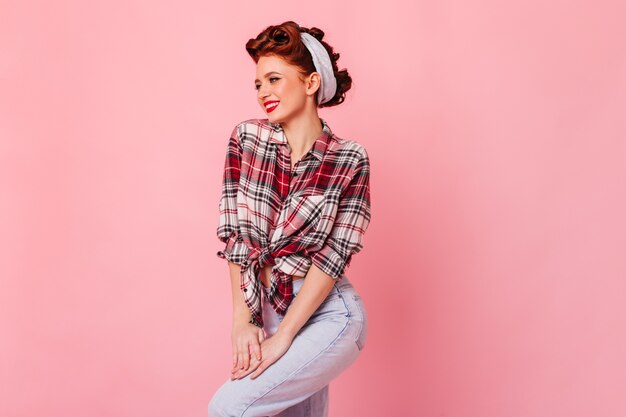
271, 215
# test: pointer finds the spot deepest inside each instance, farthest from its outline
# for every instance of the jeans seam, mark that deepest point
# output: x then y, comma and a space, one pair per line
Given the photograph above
362, 325
356, 297
341, 333
342, 296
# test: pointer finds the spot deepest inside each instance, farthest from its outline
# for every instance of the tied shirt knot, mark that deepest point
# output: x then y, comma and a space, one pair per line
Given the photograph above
258, 179
258, 258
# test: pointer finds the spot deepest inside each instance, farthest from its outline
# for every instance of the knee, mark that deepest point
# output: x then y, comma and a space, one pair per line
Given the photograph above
215, 407
219, 409
224, 405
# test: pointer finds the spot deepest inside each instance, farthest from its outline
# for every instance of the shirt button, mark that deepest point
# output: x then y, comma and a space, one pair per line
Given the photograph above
245, 289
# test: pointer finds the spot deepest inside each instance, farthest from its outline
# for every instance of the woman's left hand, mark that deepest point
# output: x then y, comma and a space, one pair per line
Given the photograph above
272, 349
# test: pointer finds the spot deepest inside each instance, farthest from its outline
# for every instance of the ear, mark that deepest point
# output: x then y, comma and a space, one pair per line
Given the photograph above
313, 82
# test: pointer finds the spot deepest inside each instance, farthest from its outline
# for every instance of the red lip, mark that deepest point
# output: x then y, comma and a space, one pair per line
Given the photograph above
273, 108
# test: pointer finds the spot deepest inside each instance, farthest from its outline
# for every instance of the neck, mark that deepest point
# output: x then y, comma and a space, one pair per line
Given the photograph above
302, 133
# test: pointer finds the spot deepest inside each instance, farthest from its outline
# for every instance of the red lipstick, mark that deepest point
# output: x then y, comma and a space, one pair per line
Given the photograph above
272, 106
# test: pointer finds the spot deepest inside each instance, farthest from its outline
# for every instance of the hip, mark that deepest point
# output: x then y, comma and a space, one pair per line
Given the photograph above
343, 306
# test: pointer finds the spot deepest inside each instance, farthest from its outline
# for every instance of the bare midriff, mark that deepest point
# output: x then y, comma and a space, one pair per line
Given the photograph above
265, 275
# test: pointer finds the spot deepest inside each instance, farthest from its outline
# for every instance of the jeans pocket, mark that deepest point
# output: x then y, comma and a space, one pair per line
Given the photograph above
362, 333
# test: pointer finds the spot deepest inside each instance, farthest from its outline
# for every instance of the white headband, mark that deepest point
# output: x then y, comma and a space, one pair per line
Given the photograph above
323, 65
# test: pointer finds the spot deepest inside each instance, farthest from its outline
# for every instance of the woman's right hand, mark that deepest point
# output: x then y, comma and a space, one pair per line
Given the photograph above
246, 340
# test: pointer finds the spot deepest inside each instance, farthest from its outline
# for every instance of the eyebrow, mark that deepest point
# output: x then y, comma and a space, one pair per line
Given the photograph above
271, 72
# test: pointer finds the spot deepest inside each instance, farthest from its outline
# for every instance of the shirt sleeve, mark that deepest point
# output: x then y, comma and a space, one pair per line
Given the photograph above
351, 222
228, 230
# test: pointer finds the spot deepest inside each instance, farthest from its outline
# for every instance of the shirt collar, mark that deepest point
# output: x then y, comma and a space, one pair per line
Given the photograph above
320, 145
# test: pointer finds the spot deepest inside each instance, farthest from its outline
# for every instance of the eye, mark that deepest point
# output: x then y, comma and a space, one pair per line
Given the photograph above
256, 86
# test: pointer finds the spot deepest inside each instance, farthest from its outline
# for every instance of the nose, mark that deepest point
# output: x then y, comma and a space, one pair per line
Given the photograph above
263, 91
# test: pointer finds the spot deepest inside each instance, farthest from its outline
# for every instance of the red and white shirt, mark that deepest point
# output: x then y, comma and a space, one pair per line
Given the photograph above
316, 213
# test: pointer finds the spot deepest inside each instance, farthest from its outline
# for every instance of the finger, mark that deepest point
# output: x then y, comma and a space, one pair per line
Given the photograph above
240, 373
246, 358
240, 359
243, 373
239, 366
236, 367
256, 351
259, 370
237, 361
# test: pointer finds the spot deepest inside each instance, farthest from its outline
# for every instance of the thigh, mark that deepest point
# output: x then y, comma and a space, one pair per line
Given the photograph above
314, 406
323, 348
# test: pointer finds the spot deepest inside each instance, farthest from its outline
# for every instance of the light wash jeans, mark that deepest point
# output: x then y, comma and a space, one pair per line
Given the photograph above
297, 384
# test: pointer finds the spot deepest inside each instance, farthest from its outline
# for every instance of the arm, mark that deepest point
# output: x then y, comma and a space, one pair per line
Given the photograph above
241, 312
329, 263
351, 222
235, 250
228, 231
315, 288
245, 336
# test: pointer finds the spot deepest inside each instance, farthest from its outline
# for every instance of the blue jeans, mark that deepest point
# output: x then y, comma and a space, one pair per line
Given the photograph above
297, 384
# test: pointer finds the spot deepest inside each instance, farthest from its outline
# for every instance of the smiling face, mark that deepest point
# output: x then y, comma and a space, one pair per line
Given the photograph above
282, 92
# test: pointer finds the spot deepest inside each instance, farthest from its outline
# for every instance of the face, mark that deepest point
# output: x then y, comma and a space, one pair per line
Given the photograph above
280, 83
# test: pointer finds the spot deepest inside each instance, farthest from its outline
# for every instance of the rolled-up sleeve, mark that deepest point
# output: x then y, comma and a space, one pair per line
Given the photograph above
228, 230
351, 222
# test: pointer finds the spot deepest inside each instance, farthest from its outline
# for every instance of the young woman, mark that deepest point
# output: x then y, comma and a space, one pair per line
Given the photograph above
295, 205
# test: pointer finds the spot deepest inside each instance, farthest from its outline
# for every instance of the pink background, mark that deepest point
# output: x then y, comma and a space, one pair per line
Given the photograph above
493, 269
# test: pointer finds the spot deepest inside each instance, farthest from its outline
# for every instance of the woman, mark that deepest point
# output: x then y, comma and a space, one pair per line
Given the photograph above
295, 204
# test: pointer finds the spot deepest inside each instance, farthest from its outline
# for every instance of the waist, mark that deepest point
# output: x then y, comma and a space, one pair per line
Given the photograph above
265, 276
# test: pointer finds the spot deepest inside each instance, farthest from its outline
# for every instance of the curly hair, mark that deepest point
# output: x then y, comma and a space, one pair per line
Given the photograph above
284, 41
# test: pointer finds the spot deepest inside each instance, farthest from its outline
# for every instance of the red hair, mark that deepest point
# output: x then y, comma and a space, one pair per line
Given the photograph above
284, 41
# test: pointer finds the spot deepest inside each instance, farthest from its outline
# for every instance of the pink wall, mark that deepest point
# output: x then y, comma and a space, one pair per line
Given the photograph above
493, 269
